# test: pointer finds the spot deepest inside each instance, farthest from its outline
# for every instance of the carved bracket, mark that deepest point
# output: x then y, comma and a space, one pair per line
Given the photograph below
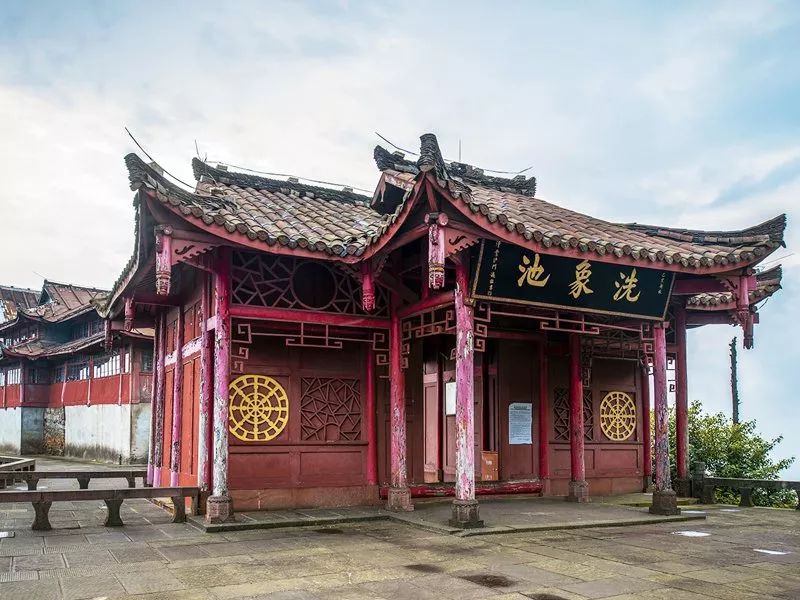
130, 311
163, 235
367, 287
436, 249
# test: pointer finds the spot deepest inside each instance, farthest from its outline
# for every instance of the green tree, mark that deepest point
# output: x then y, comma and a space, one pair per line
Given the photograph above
732, 450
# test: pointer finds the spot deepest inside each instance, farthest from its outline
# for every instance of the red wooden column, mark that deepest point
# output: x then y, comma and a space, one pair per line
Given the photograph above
465, 506
158, 400
646, 438
578, 487
371, 415
544, 422
399, 497
681, 397
664, 498
152, 451
219, 507
204, 431
177, 402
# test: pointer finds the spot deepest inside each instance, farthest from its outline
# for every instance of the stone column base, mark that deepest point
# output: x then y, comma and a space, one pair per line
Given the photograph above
219, 509
578, 491
665, 502
465, 514
399, 500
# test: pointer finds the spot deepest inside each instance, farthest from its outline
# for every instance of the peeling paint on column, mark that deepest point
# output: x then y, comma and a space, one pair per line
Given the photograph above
222, 344
465, 402
151, 455
577, 462
206, 396
663, 482
177, 402
397, 403
159, 402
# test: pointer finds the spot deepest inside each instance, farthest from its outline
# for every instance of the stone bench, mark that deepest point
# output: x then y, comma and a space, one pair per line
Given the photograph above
12, 466
42, 501
745, 488
83, 477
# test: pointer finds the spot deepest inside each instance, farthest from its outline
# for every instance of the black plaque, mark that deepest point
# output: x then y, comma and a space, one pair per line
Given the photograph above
509, 273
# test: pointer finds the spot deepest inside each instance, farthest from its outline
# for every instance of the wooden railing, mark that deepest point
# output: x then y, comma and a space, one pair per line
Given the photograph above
703, 487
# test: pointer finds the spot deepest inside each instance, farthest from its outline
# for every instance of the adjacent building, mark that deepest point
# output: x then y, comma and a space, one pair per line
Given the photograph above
69, 385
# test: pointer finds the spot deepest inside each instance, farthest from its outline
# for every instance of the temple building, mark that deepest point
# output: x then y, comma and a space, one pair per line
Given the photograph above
452, 335
68, 385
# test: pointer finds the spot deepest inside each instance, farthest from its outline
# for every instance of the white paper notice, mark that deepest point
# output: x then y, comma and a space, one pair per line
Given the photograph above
450, 398
520, 419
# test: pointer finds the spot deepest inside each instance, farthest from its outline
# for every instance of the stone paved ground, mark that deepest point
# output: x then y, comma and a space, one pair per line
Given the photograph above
153, 558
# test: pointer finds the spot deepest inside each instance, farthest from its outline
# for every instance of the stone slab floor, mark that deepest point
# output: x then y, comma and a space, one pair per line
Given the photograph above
747, 553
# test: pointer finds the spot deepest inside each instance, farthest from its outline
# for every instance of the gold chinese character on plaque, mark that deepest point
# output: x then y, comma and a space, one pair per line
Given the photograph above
531, 272
627, 287
583, 271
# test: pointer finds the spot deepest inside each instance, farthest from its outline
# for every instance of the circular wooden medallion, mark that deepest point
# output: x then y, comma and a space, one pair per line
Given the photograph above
258, 408
618, 416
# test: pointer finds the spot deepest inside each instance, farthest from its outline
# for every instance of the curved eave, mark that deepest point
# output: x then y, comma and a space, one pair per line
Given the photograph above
246, 237
614, 253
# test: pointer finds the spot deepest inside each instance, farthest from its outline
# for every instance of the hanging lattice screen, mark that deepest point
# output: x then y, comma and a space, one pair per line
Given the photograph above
296, 283
561, 414
330, 409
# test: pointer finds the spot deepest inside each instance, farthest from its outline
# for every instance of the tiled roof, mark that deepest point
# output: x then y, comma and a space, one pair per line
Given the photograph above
767, 283
288, 213
58, 302
12, 298
510, 203
43, 349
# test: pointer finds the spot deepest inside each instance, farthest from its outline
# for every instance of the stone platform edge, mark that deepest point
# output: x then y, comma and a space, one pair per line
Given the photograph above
198, 521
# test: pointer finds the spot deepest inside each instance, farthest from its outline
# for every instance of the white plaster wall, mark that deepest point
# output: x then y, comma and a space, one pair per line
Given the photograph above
101, 431
10, 430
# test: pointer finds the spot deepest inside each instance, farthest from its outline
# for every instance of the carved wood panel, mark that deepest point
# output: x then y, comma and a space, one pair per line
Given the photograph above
330, 409
299, 284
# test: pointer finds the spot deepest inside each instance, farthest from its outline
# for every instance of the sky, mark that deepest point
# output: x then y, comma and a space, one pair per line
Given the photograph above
681, 114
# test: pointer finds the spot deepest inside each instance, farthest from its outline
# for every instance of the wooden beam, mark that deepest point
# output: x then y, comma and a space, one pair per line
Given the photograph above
265, 313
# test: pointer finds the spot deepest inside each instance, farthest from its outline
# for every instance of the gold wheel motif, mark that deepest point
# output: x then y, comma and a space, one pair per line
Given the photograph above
618, 416
258, 408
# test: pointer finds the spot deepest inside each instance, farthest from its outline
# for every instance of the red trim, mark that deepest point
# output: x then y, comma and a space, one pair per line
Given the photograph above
646, 441
428, 303
306, 316
485, 488
690, 287
576, 449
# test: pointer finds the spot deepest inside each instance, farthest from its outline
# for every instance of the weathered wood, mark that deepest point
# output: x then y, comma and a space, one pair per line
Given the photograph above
159, 399
578, 487
681, 395
662, 482
163, 259
306, 316
177, 402
399, 498
482, 488
465, 403
204, 431
219, 507
367, 287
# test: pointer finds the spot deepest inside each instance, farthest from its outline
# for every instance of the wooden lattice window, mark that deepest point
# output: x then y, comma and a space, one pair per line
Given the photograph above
588, 415
300, 284
561, 414
330, 409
